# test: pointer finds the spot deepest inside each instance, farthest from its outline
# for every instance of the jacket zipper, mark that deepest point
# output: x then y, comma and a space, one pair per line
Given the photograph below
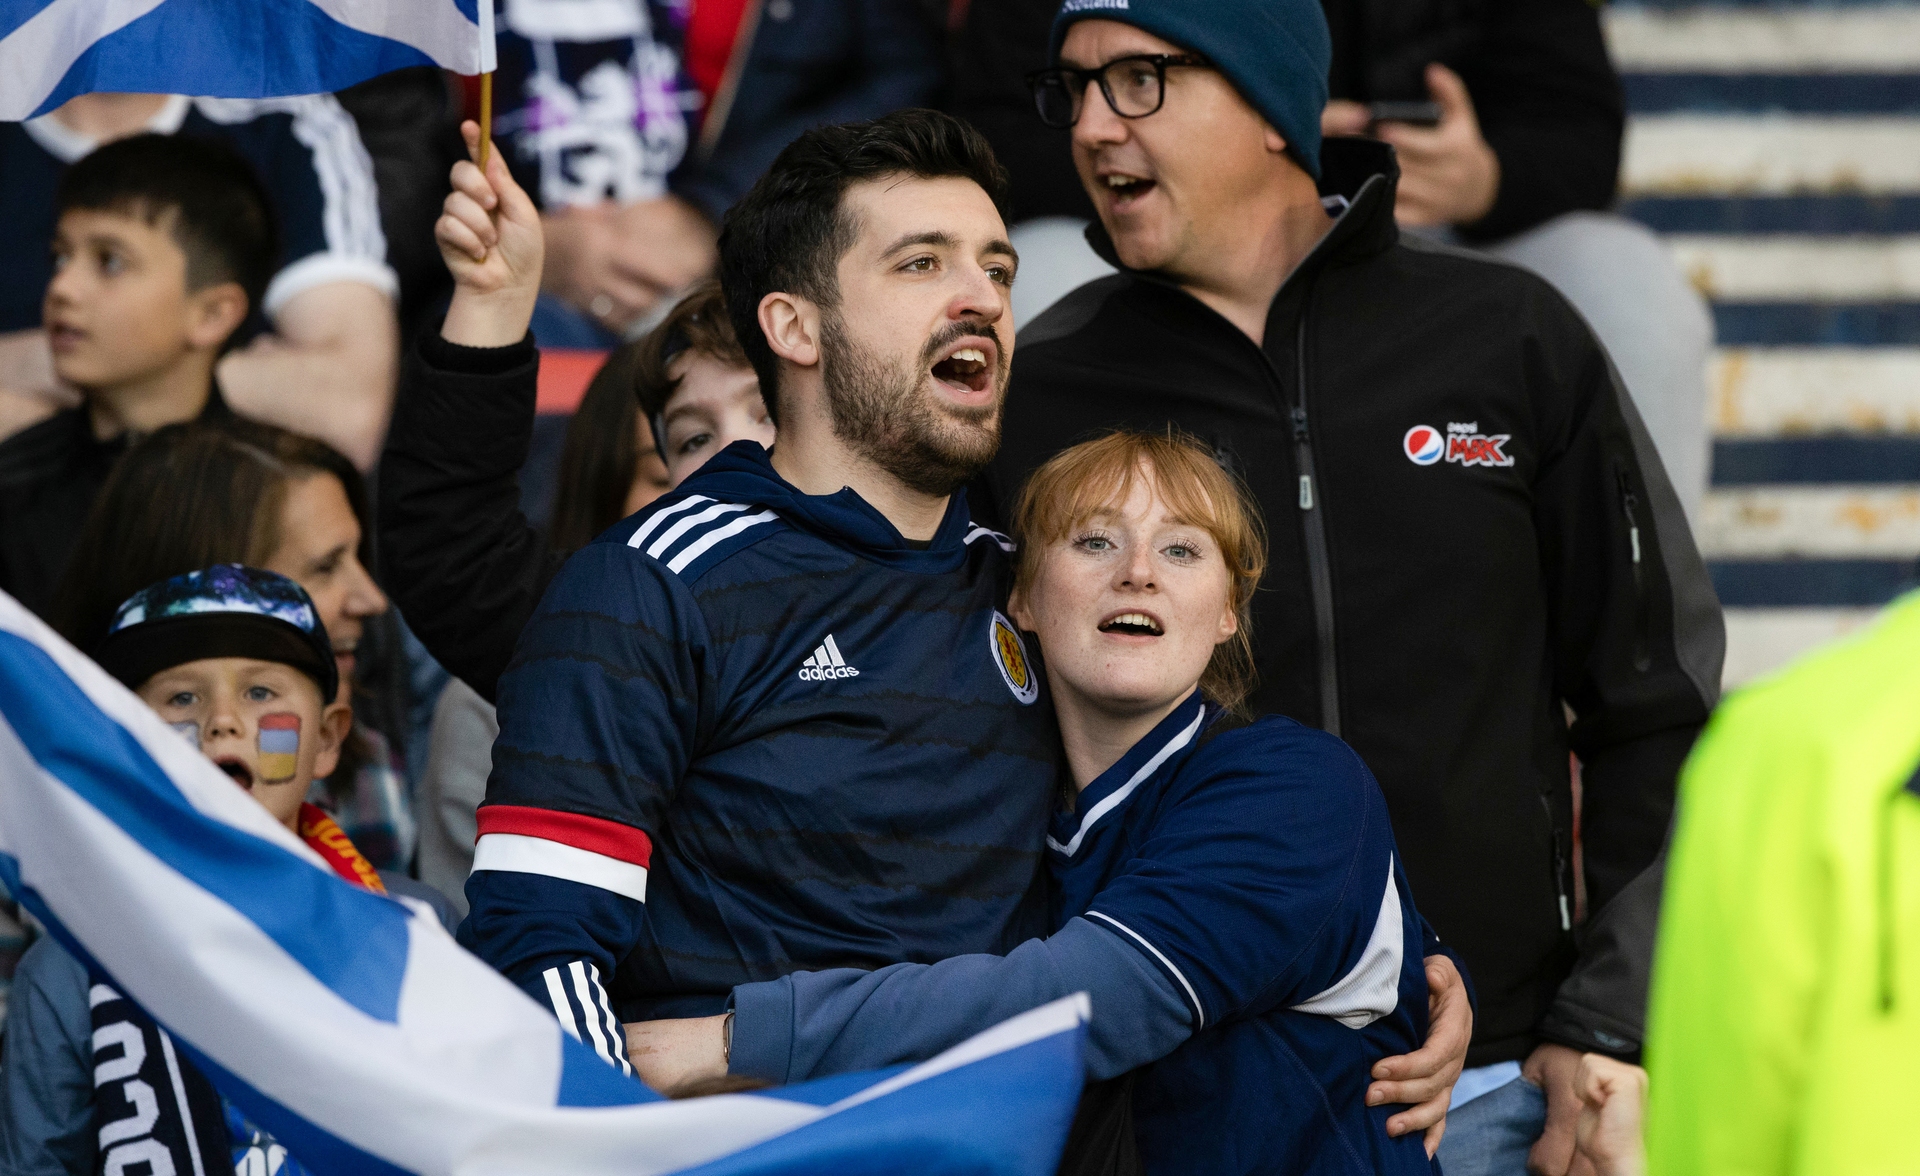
1313, 517
1559, 866
1629, 505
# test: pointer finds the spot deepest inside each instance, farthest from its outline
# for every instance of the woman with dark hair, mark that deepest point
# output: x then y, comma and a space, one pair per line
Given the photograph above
194, 495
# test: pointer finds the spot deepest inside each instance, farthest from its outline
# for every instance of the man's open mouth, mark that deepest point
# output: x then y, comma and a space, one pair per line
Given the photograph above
968, 369
241, 773
1135, 624
1127, 188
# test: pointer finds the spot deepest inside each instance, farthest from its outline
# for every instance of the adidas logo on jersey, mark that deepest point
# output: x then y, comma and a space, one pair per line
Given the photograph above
826, 663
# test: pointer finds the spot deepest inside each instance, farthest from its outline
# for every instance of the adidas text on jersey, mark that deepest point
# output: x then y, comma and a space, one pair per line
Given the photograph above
826, 663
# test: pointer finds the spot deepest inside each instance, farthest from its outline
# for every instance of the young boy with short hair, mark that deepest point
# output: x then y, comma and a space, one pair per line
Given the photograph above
237, 661
163, 248
695, 385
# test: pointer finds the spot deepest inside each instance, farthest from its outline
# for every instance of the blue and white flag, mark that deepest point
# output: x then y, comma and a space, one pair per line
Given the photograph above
53, 50
352, 1027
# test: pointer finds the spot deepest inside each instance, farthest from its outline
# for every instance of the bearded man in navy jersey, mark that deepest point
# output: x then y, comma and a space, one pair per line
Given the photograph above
777, 720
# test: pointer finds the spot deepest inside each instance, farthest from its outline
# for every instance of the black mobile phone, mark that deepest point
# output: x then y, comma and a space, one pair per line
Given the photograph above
1420, 114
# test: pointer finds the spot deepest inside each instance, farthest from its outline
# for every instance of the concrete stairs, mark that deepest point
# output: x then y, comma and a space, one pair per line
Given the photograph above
1776, 147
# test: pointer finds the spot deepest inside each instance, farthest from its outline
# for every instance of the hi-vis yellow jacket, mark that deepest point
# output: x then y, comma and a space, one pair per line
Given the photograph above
1784, 1027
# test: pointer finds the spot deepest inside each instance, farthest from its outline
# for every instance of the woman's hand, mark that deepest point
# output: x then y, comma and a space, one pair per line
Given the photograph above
670, 1055
1426, 1076
489, 236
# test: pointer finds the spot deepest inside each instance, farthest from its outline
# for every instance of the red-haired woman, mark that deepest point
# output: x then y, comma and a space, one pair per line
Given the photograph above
1229, 894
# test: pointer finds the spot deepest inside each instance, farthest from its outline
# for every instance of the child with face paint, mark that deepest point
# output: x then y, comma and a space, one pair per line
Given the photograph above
236, 660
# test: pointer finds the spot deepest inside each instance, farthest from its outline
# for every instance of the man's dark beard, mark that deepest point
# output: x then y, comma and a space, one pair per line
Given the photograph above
889, 421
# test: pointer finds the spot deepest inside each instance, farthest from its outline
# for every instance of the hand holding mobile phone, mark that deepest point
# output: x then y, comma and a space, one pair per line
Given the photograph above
1419, 114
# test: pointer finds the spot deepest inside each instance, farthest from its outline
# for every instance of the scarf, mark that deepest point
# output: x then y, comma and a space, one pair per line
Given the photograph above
151, 1106
325, 838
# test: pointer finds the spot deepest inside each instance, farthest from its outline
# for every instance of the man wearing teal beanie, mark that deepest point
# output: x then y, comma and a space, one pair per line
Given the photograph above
1472, 534
1275, 52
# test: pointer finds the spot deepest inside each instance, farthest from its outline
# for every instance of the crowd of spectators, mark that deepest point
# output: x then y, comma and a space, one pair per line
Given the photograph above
1351, 266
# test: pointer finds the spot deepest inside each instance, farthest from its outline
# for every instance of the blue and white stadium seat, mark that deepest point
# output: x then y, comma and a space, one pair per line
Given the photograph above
1776, 147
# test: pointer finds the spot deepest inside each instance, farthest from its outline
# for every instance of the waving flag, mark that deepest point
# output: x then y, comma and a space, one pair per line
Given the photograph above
52, 50
355, 1030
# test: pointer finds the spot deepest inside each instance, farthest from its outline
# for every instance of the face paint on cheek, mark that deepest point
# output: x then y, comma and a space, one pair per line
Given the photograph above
279, 747
189, 731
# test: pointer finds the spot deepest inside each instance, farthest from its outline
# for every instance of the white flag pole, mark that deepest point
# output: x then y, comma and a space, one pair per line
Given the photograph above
484, 9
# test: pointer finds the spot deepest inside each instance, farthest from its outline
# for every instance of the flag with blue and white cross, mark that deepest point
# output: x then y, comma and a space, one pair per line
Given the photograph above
53, 50
353, 1029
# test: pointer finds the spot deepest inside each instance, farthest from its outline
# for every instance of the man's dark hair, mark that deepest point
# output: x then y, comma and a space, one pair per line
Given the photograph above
221, 216
789, 233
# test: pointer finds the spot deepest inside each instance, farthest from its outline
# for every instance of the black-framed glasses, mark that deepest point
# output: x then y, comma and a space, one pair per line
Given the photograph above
1135, 86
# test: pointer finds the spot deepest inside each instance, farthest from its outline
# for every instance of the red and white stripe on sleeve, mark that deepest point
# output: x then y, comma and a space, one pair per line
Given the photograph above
592, 851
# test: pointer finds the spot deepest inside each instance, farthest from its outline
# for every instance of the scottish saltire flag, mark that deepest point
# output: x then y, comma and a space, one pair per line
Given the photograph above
52, 50
355, 1030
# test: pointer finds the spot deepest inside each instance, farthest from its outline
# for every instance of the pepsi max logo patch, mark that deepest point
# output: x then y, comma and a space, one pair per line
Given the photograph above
1424, 445
1463, 444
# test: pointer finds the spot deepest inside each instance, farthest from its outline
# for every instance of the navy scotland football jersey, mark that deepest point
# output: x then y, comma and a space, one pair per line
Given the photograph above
750, 731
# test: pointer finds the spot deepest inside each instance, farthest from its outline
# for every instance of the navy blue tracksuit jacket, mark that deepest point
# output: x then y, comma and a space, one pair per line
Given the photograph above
1236, 911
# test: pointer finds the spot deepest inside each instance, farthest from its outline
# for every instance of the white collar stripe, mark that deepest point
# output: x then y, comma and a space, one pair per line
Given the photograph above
1121, 793
980, 532
691, 501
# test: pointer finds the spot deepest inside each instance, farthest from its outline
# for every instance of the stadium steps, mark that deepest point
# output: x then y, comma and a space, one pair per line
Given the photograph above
1776, 147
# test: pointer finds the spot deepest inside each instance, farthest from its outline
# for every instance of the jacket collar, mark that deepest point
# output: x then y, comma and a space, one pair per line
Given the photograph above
50, 446
1363, 171
1110, 790
743, 472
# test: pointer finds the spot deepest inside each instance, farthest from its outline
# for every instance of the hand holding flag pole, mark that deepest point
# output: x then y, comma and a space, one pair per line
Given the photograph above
486, 117
490, 238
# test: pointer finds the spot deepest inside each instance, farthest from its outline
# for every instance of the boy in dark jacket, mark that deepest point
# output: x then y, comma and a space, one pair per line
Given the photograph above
163, 247
1471, 530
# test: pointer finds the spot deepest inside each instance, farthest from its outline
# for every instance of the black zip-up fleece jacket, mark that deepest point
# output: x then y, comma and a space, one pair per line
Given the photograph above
1469, 528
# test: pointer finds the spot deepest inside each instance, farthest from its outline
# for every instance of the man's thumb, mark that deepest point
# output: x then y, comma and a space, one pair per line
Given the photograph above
514, 201
1450, 92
